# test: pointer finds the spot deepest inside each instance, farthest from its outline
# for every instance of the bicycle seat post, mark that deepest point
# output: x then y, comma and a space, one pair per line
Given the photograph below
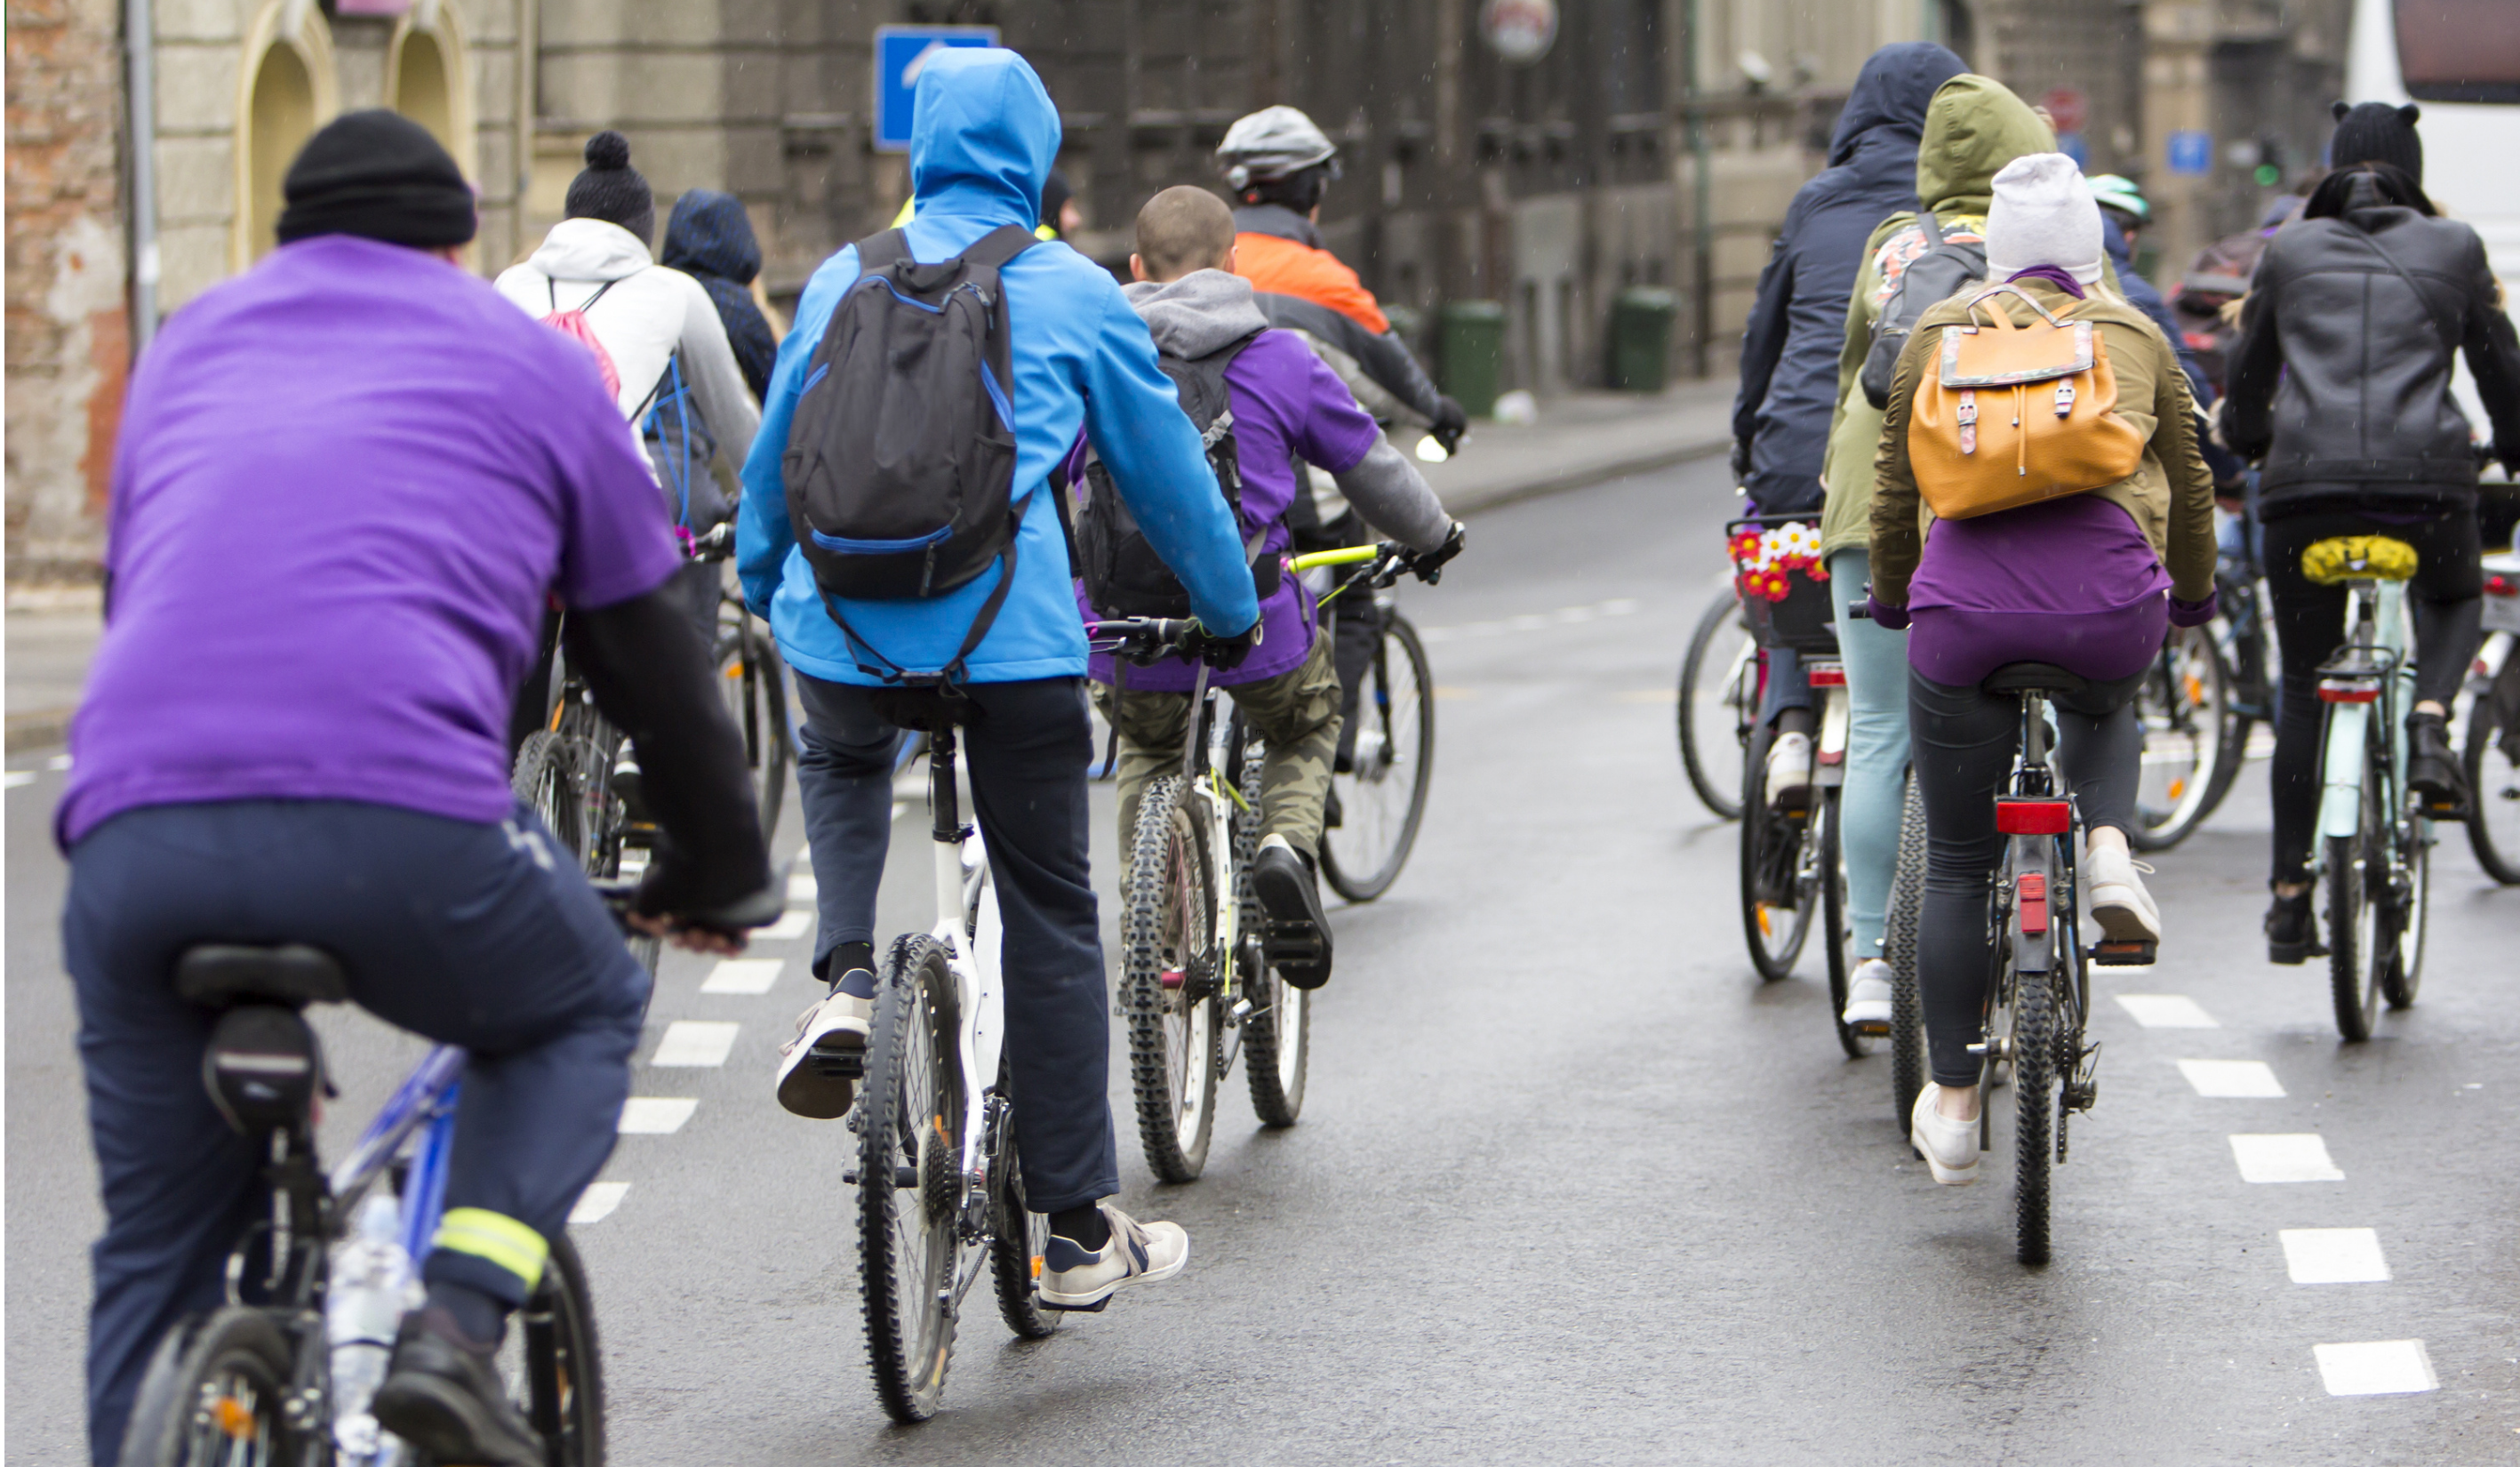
944, 797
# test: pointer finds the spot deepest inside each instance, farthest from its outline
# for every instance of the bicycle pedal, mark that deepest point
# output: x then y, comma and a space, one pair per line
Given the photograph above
1095, 1307
2134, 954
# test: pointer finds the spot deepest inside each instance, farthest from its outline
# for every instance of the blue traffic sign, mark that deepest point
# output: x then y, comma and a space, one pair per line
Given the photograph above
2191, 153
900, 50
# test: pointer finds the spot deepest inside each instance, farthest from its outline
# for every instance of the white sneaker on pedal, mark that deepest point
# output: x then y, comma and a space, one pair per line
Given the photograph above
1868, 998
819, 1068
1138, 1253
1949, 1146
1789, 772
2120, 904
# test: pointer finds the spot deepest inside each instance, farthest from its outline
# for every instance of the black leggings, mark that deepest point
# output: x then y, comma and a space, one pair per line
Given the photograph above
2310, 625
1962, 740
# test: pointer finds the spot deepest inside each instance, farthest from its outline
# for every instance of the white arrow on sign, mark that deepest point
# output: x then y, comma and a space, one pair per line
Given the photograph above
919, 63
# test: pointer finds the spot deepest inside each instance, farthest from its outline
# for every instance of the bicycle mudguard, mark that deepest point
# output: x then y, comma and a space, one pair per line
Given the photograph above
2340, 800
2034, 903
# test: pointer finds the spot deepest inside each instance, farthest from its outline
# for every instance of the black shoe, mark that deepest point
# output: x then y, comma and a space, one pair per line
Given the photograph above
2433, 769
1299, 937
444, 1396
2292, 930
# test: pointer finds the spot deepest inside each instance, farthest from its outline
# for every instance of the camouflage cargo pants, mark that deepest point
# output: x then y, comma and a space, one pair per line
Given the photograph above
1296, 714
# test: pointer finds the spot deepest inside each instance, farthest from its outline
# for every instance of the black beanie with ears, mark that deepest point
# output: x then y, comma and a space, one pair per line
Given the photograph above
612, 190
2374, 132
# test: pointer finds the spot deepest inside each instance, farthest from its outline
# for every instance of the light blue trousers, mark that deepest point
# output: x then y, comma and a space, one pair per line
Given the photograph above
1876, 751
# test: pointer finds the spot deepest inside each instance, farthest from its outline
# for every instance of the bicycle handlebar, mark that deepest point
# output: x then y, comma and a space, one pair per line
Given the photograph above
717, 545
620, 897
1144, 639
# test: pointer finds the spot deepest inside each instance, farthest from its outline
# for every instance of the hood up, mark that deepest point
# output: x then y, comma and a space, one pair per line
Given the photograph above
1973, 127
710, 233
589, 249
1198, 314
984, 134
1891, 94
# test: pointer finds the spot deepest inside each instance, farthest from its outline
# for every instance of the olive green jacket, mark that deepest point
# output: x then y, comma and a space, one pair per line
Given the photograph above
2170, 496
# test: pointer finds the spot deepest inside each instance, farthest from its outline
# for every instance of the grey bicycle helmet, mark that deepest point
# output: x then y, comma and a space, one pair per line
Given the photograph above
1273, 143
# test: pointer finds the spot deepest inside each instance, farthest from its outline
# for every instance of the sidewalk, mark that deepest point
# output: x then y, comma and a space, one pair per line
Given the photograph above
1579, 440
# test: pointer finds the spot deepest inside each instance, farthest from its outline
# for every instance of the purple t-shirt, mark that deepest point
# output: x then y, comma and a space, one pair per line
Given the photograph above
345, 482
2072, 582
1287, 405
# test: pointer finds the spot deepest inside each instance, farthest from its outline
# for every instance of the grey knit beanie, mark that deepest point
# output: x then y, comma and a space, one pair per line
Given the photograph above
2374, 132
612, 190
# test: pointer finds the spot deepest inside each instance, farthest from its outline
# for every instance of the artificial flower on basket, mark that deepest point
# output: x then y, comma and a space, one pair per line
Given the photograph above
1765, 560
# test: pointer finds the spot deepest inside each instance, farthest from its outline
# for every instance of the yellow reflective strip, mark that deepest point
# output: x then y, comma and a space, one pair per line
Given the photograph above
496, 1238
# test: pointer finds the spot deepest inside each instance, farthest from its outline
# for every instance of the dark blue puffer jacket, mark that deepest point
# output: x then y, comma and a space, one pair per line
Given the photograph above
1798, 324
710, 238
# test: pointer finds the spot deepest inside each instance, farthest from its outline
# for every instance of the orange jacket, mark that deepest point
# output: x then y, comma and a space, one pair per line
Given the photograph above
1284, 267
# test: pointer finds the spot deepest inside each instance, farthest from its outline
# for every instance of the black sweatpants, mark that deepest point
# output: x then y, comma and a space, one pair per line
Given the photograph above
1962, 742
2447, 595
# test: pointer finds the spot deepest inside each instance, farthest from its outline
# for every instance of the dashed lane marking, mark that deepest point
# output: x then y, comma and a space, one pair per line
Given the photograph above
743, 975
2232, 1080
656, 1114
57, 762
17, 779
597, 1203
1564, 616
786, 929
2333, 1256
694, 1044
801, 886
2284, 1159
2377, 1367
2166, 1011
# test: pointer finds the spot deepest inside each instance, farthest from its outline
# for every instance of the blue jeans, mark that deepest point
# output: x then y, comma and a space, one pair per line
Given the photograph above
1876, 751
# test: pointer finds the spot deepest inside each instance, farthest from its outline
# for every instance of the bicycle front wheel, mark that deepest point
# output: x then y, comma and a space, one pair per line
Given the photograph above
1899, 948
1778, 899
2407, 920
2033, 1112
2185, 708
1718, 698
554, 1366
1835, 929
1170, 978
214, 1397
754, 681
910, 1179
1018, 1236
1382, 797
1278, 1034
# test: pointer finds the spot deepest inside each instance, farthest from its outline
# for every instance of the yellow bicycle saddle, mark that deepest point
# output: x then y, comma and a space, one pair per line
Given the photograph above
2342, 558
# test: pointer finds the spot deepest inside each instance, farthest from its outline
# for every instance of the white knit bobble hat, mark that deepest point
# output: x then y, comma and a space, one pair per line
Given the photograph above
2043, 215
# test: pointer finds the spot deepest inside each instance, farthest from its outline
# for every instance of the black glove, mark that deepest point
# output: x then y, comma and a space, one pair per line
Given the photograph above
1224, 653
1428, 565
1449, 424
1740, 461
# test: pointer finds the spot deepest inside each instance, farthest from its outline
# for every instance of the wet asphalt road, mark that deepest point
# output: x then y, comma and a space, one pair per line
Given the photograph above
1570, 1185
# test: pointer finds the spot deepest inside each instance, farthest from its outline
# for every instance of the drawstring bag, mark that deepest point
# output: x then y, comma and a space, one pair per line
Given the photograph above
2015, 415
573, 325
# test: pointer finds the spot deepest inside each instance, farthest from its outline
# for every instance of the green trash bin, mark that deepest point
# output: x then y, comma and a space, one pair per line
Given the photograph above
1473, 355
1641, 323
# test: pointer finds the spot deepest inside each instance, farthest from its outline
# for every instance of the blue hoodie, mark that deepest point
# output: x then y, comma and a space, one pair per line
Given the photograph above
984, 134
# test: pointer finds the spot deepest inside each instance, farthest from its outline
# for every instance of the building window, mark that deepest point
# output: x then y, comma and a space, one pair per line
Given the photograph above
289, 91
429, 79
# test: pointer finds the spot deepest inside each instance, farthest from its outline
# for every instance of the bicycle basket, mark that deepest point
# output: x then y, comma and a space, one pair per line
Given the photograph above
1783, 589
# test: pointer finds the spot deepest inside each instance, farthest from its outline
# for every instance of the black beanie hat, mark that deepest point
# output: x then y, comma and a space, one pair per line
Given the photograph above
612, 190
378, 176
2376, 132
1054, 194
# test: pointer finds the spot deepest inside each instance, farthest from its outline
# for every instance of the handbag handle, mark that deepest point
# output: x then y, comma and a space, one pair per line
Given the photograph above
2006, 321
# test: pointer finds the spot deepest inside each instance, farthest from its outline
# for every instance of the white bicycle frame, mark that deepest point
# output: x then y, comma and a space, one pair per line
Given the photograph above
968, 929
2348, 729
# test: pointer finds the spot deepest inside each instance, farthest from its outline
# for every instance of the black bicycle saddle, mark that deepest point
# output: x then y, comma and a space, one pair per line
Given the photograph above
216, 975
2034, 677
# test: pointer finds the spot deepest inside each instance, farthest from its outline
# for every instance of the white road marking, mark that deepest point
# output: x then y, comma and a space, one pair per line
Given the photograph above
656, 1114
57, 761
2333, 1256
2232, 1080
743, 975
2166, 1011
801, 886
2284, 1159
1564, 616
2377, 1367
597, 1203
17, 779
694, 1044
786, 929
1624, 605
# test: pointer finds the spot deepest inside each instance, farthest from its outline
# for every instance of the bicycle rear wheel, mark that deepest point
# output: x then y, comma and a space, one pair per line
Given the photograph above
1170, 977
910, 1179
1383, 796
1834, 929
1718, 699
2185, 708
754, 680
553, 1364
2034, 1111
1778, 902
1899, 949
214, 1397
2357, 887
2493, 777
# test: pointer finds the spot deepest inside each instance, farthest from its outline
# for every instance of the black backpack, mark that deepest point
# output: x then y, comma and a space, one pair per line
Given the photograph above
1122, 574
901, 457
1941, 272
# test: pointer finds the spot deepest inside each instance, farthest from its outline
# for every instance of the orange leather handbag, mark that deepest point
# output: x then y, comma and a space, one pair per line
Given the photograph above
2014, 415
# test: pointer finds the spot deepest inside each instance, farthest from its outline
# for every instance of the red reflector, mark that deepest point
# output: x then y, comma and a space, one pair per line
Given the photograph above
1826, 674
2034, 817
2348, 692
2502, 586
2033, 890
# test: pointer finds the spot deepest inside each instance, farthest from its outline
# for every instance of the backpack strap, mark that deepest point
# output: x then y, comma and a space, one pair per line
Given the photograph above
551, 289
882, 251
951, 674
998, 245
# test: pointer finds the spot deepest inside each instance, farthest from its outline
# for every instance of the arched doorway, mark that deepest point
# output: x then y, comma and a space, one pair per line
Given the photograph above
289, 90
429, 79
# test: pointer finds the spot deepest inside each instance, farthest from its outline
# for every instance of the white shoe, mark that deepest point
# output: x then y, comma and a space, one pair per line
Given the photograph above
819, 1068
1949, 1146
1868, 998
1138, 1253
2120, 904
1789, 772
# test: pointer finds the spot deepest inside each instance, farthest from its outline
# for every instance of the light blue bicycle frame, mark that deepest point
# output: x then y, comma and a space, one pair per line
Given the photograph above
2348, 731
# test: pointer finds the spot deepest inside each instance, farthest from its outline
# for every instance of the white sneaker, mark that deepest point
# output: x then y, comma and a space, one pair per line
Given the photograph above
1868, 998
1949, 1146
1138, 1253
1789, 772
819, 1068
2120, 904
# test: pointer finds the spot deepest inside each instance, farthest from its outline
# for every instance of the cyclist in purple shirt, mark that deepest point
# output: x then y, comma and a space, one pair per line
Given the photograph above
346, 484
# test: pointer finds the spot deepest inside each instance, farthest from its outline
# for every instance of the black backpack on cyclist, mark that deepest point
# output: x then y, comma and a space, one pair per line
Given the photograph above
901, 458
1943, 270
1122, 574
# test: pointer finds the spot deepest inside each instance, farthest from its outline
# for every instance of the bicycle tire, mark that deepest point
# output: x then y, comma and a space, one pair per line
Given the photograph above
1018, 1235
1899, 947
2189, 693
1834, 929
562, 1362
1771, 859
1278, 1034
2408, 919
1406, 718
1169, 926
2034, 1111
1717, 793
754, 679
909, 1138
2353, 926
204, 1373
2494, 785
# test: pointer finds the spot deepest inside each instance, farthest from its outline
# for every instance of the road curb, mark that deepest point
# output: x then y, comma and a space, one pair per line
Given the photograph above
42, 729
1478, 500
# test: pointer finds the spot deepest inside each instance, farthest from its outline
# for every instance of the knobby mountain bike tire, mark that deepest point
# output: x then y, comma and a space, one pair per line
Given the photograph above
214, 1397
1018, 1235
2493, 783
1278, 1034
2033, 1112
1716, 682
1899, 934
554, 1364
1169, 980
1777, 903
1382, 800
910, 1179
754, 680
2190, 757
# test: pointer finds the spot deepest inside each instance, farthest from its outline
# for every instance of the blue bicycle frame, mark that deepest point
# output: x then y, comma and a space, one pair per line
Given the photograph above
423, 1104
